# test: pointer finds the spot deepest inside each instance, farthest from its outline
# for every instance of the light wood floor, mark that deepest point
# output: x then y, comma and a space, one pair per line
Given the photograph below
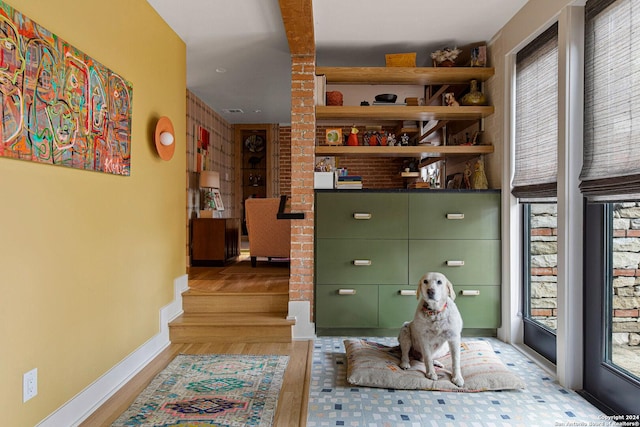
292, 404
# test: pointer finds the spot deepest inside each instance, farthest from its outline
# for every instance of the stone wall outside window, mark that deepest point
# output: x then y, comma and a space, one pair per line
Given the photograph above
626, 269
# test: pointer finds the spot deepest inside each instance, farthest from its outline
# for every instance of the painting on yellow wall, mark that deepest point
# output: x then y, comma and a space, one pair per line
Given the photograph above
59, 106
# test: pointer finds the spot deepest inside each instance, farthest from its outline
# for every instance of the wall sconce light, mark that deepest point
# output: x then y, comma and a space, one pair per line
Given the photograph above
165, 138
211, 200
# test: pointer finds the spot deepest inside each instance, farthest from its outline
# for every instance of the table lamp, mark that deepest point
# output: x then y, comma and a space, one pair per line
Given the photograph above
209, 182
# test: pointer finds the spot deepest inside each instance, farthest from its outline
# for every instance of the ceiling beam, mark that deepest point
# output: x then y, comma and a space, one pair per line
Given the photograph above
297, 16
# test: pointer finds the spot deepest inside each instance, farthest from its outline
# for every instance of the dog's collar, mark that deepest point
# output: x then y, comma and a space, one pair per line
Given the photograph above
428, 312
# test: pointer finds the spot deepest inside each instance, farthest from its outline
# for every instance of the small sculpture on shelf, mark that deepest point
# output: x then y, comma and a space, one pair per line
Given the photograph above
391, 139
353, 137
466, 176
450, 100
404, 140
478, 178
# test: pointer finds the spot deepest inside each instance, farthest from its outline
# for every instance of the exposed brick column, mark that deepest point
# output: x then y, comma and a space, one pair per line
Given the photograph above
303, 126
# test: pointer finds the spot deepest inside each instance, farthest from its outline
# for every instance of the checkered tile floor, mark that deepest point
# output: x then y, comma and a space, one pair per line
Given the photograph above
334, 402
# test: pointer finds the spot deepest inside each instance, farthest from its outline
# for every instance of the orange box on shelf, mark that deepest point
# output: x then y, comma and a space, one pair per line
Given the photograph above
400, 59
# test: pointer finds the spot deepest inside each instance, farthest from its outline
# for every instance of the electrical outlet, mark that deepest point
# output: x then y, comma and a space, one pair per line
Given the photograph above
30, 385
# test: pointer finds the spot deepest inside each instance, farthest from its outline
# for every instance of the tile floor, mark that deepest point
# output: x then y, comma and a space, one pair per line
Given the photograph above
334, 402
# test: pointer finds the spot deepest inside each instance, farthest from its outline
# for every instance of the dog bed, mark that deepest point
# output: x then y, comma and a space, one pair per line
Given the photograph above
372, 364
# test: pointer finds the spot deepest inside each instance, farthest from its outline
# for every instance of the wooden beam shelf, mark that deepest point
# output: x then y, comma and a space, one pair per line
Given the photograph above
404, 75
399, 151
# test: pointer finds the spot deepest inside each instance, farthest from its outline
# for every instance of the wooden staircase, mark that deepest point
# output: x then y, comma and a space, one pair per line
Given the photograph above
234, 309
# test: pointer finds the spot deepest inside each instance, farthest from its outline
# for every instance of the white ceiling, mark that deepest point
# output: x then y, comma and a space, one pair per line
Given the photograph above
247, 39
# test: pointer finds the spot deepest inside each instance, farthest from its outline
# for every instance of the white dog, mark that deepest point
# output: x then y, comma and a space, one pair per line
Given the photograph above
436, 322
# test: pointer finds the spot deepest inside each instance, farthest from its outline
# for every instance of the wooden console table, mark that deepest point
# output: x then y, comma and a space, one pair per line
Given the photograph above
214, 241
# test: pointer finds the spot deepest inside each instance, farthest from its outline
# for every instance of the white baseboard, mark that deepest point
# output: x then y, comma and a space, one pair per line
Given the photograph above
76, 410
304, 329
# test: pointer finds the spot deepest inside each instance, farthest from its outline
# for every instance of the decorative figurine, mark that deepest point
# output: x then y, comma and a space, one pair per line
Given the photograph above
404, 139
353, 137
391, 139
478, 178
466, 176
450, 99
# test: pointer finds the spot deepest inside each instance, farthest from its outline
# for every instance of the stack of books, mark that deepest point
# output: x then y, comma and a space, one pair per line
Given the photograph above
349, 182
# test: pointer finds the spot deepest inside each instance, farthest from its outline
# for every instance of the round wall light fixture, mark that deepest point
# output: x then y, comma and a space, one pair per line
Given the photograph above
165, 138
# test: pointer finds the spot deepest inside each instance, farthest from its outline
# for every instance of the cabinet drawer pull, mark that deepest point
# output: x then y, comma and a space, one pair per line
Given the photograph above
361, 262
361, 215
470, 293
346, 291
455, 263
455, 216
408, 292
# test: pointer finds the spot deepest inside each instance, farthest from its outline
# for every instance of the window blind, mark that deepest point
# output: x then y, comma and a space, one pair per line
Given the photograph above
611, 165
536, 136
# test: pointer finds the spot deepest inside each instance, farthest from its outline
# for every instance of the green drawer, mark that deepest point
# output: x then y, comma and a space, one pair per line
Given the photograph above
481, 260
439, 216
336, 310
335, 261
382, 215
396, 308
480, 311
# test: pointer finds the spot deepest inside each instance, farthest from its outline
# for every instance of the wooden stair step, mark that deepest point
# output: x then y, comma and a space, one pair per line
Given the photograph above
231, 327
223, 302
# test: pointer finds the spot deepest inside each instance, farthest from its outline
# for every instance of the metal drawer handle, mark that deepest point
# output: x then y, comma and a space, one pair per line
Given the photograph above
364, 262
408, 292
361, 215
455, 216
470, 293
455, 263
346, 291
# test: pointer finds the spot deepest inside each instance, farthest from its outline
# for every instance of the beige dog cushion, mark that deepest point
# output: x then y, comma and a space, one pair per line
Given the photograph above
372, 364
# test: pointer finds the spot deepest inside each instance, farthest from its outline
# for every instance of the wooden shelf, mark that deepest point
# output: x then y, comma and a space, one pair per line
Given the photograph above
395, 151
404, 75
402, 113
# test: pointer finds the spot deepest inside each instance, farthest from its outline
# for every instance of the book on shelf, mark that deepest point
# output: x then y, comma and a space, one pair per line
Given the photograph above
389, 103
320, 94
349, 182
349, 186
350, 178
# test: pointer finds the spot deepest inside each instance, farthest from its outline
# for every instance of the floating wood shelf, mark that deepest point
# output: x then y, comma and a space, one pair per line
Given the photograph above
396, 151
404, 75
402, 113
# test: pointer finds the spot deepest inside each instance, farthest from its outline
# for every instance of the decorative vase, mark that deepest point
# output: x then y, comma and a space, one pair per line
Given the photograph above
334, 98
474, 97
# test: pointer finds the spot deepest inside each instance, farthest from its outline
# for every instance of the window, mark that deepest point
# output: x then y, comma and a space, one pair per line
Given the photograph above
534, 183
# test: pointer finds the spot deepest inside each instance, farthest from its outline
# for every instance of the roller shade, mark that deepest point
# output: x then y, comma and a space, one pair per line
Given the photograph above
611, 166
536, 137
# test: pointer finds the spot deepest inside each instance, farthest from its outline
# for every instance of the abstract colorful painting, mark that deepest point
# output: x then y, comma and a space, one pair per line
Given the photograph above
58, 105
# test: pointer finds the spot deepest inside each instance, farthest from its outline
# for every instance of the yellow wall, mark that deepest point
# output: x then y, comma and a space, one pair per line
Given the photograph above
88, 259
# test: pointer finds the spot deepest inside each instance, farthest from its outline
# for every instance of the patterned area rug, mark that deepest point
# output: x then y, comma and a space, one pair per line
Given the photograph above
221, 390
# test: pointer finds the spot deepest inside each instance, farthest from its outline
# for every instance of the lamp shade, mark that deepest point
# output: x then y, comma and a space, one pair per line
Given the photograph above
209, 179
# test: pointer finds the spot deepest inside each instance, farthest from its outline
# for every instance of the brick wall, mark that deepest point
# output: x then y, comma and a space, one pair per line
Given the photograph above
284, 137
303, 124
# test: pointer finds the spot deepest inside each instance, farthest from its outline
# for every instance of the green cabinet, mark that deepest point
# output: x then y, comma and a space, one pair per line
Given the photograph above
361, 261
354, 306
361, 216
373, 247
454, 216
462, 261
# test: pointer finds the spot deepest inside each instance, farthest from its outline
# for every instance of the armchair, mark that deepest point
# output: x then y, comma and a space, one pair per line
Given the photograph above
268, 236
